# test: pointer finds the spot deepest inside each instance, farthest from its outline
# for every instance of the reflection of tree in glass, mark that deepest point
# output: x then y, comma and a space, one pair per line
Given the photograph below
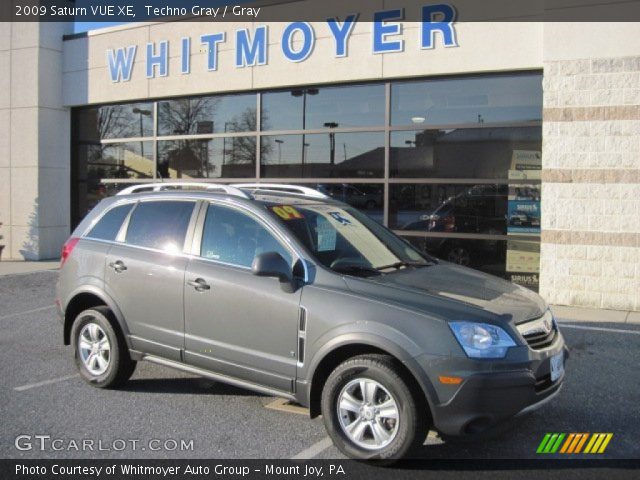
187, 116
119, 121
239, 150
118, 161
198, 158
128, 160
267, 146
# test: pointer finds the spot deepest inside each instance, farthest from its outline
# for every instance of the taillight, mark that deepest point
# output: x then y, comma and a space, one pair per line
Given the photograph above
67, 248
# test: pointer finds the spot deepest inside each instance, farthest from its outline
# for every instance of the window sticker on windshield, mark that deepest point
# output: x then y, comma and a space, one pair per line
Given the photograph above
326, 236
287, 212
340, 218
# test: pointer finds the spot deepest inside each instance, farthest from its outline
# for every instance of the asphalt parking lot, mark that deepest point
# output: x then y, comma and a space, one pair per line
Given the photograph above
41, 394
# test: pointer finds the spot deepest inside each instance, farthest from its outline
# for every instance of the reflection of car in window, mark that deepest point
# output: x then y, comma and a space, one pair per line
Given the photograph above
518, 218
527, 193
480, 209
361, 196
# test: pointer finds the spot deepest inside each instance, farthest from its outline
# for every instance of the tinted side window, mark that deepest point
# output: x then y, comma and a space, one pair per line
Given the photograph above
162, 225
231, 236
109, 225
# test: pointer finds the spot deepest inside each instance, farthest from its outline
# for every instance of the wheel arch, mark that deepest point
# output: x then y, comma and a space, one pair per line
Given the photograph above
88, 297
325, 361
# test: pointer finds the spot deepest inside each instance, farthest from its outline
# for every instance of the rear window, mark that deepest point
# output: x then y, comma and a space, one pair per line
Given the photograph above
161, 225
109, 225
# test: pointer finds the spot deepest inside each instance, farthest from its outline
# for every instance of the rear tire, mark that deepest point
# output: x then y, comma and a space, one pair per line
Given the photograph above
101, 353
387, 422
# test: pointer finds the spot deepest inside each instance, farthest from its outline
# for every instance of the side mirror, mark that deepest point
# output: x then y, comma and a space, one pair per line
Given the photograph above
272, 264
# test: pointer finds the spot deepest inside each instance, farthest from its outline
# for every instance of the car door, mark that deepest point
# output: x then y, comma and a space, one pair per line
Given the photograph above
144, 274
236, 323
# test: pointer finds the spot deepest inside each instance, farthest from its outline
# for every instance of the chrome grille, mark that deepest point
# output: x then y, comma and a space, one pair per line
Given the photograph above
541, 340
539, 333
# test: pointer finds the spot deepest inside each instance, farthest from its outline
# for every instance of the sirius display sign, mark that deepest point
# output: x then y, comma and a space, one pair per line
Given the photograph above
295, 45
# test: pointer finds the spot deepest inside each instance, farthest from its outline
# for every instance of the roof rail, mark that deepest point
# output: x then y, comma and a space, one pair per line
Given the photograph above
283, 188
158, 187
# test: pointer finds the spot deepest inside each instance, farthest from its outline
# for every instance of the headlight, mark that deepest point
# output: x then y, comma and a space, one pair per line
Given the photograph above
482, 340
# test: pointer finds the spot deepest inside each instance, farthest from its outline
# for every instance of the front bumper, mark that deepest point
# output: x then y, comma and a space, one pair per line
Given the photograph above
493, 392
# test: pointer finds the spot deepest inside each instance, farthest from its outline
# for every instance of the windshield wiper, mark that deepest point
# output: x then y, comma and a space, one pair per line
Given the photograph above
398, 265
355, 268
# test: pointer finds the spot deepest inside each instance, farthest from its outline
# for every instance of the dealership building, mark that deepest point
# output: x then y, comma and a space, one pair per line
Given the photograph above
511, 147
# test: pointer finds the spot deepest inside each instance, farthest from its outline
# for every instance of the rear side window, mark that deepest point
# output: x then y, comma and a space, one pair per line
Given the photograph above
161, 225
109, 225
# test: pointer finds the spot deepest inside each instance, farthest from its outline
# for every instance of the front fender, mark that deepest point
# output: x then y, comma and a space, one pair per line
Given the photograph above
385, 338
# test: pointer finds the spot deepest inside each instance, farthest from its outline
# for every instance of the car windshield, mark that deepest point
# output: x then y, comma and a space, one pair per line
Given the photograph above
347, 241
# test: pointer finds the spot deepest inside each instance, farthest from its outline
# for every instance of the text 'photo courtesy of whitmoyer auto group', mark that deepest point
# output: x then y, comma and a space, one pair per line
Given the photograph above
319, 239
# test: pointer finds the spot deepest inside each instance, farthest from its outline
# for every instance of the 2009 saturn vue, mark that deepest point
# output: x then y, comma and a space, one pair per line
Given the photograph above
282, 290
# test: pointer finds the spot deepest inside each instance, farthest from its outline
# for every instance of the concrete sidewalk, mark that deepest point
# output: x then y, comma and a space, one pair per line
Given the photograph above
579, 314
561, 312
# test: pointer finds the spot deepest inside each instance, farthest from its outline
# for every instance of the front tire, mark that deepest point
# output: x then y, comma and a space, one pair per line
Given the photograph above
101, 353
370, 410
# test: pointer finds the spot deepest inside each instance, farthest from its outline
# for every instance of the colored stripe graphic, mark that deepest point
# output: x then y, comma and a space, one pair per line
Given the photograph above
556, 445
573, 443
591, 442
543, 443
567, 443
605, 443
581, 442
550, 443
598, 443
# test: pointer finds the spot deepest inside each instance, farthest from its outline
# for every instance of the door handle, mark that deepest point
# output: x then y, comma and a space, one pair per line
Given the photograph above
199, 284
118, 266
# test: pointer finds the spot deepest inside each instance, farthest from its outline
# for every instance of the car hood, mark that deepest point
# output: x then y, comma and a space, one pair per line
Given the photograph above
453, 292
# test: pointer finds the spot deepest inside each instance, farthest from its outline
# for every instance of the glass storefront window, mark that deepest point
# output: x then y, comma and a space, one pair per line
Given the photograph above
484, 255
115, 160
326, 107
95, 163
464, 156
460, 153
227, 157
366, 197
114, 121
323, 155
490, 99
447, 208
202, 115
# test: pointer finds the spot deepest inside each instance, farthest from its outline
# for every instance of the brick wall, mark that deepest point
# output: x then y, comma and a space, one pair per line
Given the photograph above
590, 252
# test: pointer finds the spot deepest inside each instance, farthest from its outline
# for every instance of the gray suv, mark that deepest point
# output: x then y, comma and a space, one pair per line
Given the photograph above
285, 291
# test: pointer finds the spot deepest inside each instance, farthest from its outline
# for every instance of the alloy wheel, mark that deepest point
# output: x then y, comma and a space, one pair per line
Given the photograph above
368, 414
94, 348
